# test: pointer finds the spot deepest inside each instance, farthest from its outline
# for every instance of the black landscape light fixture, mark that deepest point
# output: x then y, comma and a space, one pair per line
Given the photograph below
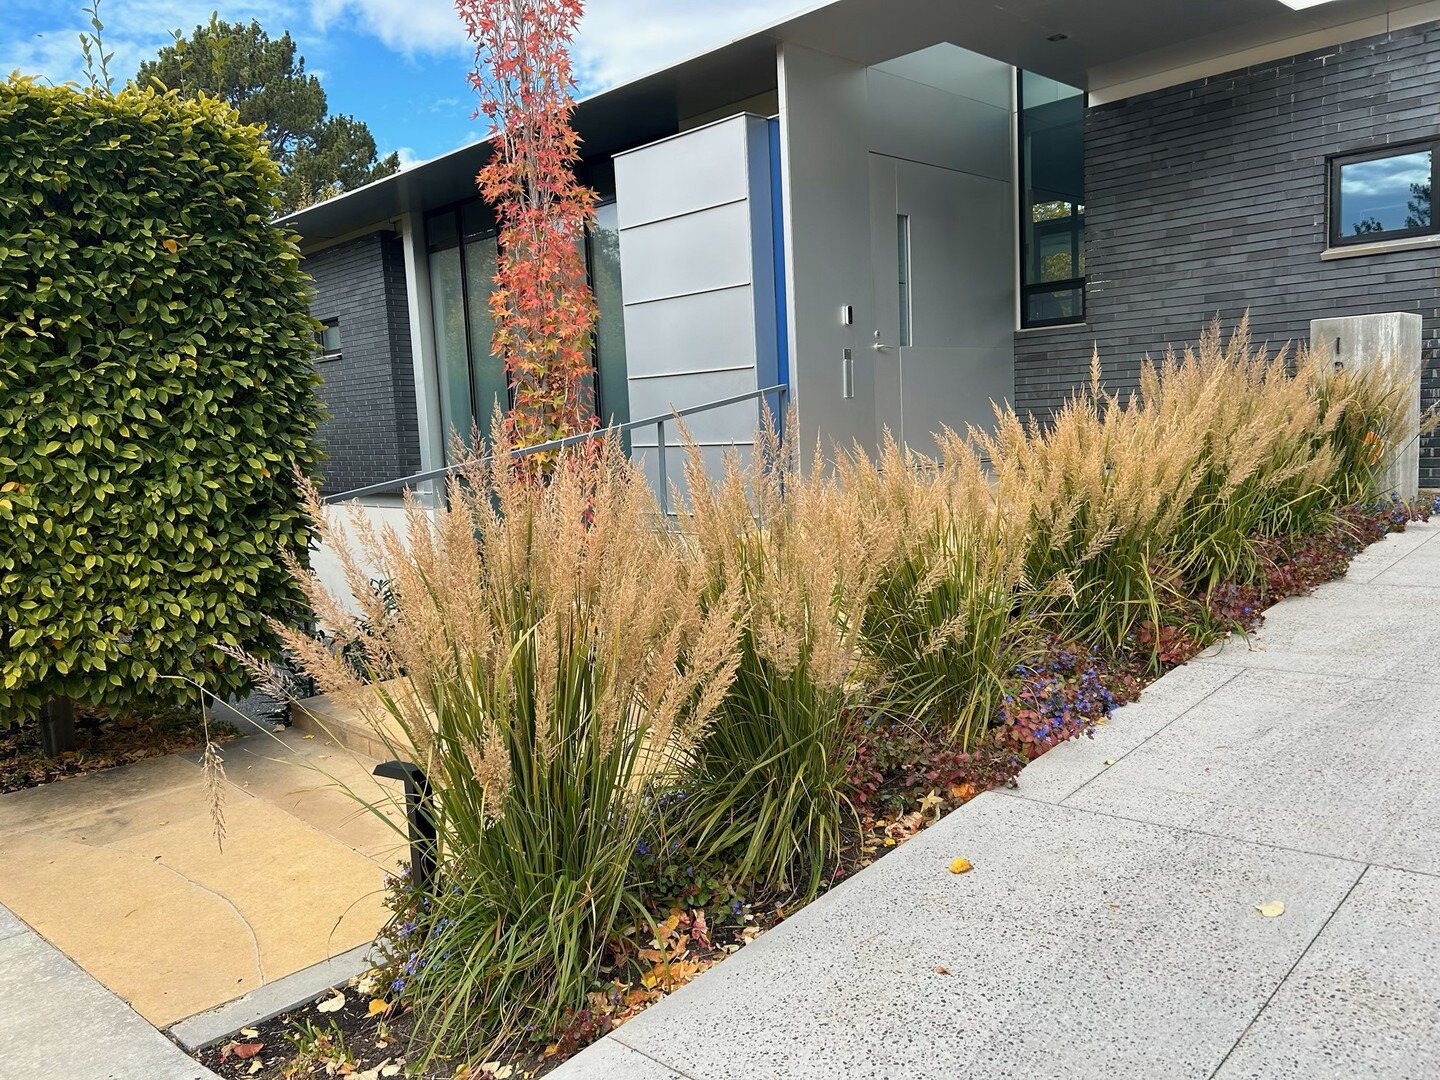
419, 815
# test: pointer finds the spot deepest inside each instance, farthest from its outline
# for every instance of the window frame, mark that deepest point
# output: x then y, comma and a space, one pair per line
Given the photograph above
1335, 163
1024, 289
323, 355
461, 241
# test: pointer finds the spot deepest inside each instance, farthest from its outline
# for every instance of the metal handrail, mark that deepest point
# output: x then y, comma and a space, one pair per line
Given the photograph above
657, 422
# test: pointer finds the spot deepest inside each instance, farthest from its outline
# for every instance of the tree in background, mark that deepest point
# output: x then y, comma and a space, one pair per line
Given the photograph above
542, 304
319, 155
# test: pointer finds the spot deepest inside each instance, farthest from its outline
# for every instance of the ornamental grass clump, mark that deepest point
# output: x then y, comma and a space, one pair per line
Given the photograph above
764, 778
951, 610
1137, 504
545, 661
1104, 487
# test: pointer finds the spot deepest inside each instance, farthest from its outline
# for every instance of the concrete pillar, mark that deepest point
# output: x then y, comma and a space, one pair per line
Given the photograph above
1393, 337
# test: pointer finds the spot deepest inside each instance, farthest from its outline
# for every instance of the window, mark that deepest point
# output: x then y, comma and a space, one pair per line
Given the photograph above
463, 251
612, 398
902, 247
1051, 142
327, 341
1383, 194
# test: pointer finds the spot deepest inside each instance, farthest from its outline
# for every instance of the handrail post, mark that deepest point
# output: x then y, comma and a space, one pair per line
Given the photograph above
664, 479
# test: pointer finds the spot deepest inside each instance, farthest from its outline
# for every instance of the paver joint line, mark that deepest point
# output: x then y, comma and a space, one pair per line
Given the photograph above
1309, 945
1157, 731
649, 1056
1191, 831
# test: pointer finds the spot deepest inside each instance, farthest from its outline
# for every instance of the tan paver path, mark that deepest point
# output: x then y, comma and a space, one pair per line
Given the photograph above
120, 870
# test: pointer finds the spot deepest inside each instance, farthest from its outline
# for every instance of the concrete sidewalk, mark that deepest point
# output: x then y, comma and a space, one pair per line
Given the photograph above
56, 1021
1110, 926
120, 871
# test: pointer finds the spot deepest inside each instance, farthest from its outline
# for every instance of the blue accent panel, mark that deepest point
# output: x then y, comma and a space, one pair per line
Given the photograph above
777, 224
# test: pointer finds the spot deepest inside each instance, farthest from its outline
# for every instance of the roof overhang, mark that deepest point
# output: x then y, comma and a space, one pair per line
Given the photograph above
1113, 48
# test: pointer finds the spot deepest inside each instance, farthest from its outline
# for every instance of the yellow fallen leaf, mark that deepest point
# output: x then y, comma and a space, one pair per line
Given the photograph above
1109, 761
333, 1004
307, 736
378, 1006
1271, 909
961, 865
249, 1033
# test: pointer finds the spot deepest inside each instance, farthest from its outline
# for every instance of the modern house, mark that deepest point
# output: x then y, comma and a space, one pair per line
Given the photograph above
903, 209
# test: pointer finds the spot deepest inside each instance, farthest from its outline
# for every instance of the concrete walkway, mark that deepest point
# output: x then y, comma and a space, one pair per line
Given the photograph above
1110, 926
58, 1022
120, 871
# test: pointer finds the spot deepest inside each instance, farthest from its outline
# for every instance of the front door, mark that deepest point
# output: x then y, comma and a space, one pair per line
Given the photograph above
944, 270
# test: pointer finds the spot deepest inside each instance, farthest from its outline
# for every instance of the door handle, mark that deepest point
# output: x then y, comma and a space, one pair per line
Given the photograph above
878, 347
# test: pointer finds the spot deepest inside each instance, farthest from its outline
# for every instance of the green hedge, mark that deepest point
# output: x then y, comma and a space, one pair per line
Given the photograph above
157, 395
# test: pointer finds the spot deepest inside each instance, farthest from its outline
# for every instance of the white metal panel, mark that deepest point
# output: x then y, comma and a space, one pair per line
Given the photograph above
692, 171
709, 249
697, 255
732, 423
700, 332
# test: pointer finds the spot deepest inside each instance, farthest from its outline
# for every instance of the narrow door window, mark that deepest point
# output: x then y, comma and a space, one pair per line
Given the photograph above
902, 247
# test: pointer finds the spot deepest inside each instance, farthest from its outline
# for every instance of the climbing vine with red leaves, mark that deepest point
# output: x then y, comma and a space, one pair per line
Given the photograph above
543, 308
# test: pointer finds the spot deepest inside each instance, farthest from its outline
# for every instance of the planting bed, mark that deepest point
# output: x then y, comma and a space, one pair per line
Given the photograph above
898, 781
101, 742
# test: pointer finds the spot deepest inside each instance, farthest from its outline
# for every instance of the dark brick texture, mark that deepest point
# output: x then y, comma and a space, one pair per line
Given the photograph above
372, 434
1210, 198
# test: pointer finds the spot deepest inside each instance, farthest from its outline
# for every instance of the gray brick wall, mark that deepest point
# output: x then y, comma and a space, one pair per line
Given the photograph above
1210, 197
372, 434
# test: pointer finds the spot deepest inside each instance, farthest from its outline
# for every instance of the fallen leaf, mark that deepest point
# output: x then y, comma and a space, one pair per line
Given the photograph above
942, 971
307, 736
333, 1004
1271, 909
257, 1065
961, 865
1109, 761
249, 1033
378, 1006
247, 1050
391, 1070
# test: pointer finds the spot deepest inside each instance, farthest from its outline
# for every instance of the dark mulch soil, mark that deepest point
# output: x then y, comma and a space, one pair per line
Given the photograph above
899, 782
102, 741
306, 1042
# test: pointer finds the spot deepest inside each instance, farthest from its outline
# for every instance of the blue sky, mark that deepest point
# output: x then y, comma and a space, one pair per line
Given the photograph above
399, 65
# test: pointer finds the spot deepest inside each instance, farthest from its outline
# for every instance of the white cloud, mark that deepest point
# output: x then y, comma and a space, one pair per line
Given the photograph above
406, 26
620, 39
135, 30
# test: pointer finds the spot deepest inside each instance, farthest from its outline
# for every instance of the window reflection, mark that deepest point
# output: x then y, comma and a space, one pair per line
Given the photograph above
1052, 206
463, 252
1386, 195
447, 297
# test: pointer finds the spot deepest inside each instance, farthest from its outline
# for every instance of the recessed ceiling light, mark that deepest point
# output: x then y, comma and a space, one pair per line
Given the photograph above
1301, 5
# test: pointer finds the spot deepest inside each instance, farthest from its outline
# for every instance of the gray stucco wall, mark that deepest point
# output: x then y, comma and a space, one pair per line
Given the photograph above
372, 431
1210, 197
